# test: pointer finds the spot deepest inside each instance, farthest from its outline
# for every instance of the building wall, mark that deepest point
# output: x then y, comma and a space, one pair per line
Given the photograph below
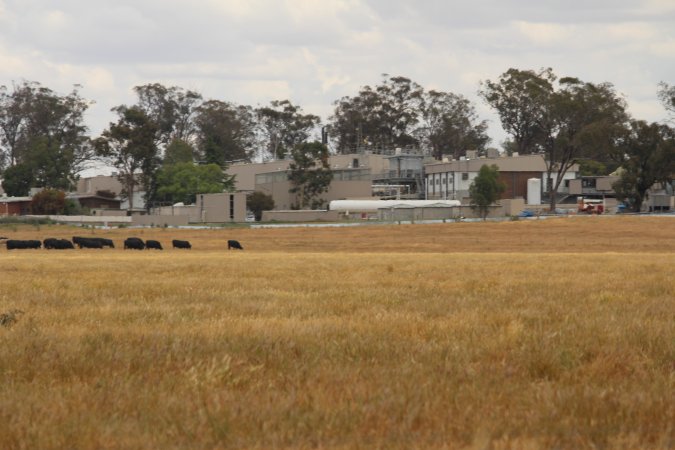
339, 189
99, 183
300, 216
222, 207
245, 179
14, 208
451, 180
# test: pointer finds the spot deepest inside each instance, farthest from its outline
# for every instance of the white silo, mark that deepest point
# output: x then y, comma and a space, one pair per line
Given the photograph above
534, 191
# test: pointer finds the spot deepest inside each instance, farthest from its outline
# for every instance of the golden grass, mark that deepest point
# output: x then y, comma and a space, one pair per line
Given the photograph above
427, 336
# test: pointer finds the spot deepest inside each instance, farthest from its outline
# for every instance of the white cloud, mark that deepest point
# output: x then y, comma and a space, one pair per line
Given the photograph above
315, 52
544, 34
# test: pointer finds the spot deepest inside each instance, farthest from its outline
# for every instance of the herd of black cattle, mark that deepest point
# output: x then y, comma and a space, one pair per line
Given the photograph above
132, 243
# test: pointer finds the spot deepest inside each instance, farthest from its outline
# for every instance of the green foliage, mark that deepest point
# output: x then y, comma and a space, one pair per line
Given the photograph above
257, 202
399, 113
647, 156
310, 175
170, 109
589, 167
178, 151
284, 127
129, 145
666, 94
49, 201
17, 180
45, 131
485, 189
450, 125
567, 122
224, 132
183, 181
73, 208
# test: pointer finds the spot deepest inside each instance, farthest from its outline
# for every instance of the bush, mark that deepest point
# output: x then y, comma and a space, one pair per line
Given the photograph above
49, 201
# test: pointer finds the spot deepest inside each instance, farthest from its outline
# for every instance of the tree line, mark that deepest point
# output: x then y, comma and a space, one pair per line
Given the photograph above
175, 143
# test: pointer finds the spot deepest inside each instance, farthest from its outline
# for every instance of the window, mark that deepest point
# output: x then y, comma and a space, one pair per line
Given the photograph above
465, 176
588, 183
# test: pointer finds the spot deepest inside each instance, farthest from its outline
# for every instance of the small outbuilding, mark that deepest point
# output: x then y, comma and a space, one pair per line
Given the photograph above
15, 206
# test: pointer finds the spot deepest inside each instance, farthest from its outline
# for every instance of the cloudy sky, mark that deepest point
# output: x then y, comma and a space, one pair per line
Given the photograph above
314, 52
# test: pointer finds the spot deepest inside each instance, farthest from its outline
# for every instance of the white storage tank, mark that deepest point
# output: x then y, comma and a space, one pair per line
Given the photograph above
374, 205
534, 191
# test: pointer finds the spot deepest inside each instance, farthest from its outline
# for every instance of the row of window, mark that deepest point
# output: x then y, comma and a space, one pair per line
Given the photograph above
338, 175
465, 177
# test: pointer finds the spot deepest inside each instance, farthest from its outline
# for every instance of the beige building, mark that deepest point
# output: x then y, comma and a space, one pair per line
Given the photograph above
451, 179
352, 178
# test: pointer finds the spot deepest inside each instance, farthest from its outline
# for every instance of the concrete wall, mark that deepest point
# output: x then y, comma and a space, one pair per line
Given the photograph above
284, 200
158, 221
222, 207
300, 216
210, 208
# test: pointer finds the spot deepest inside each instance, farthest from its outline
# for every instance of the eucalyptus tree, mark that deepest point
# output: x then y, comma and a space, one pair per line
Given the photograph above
130, 145
666, 94
449, 125
172, 109
224, 132
310, 174
380, 117
282, 126
565, 120
646, 153
44, 132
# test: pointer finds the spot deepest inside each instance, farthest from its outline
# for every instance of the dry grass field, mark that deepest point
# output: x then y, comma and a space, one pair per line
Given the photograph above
555, 333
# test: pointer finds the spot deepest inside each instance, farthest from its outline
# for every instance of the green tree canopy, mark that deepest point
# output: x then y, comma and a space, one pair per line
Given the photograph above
666, 94
182, 182
257, 202
283, 126
178, 151
224, 132
17, 180
566, 122
647, 156
399, 113
485, 189
310, 175
44, 131
129, 145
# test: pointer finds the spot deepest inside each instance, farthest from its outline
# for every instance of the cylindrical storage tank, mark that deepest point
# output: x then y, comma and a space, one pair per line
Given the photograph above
374, 205
534, 191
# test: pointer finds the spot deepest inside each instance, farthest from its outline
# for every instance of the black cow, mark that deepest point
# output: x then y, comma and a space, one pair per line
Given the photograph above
134, 243
84, 242
106, 242
150, 243
234, 244
57, 244
17, 244
92, 242
177, 243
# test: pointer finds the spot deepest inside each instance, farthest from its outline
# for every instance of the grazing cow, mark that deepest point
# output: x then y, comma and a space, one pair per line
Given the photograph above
151, 243
18, 244
84, 242
92, 242
177, 243
234, 244
134, 243
106, 242
57, 244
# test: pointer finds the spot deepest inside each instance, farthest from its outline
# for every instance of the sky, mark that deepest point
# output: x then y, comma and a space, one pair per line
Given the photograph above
314, 52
